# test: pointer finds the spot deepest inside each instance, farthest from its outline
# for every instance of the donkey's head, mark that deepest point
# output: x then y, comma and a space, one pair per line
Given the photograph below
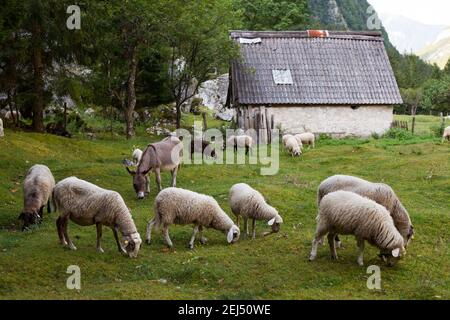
141, 183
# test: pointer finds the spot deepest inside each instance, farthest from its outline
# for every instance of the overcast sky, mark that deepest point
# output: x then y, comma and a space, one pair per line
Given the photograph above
436, 12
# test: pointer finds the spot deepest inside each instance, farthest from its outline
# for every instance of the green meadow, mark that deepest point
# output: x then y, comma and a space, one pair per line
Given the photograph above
33, 265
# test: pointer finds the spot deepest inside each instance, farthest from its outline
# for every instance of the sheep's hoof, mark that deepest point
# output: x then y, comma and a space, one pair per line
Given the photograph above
311, 258
148, 241
360, 263
333, 257
72, 247
338, 244
203, 240
100, 250
191, 246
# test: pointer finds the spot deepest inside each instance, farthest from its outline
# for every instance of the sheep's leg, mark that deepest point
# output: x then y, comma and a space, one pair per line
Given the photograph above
194, 234
66, 235
59, 225
166, 236
254, 228
99, 237
49, 206
202, 238
174, 176
337, 242
318, 239
116, 236
246, 150
246, 234
158, 178
150, 225
360, 243
238, 218
331, 243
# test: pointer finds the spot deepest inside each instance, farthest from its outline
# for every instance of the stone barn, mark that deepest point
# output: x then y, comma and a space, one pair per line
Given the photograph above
331, 82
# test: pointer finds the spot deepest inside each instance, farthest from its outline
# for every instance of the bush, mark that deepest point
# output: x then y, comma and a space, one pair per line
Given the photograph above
398, 134
438, 130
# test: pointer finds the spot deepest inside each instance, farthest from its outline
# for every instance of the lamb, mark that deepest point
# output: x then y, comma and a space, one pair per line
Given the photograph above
37, 192
344, 212
249, 203
180, 206
285, 138
306, 138
378, 192
292, 147
136, 156
86, 204
241, 141
446, 135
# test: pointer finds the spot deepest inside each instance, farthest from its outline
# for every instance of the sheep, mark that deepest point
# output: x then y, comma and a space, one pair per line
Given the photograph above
136, 156
306, 138
292, 147
285, 138
180, 206
379, 192
446, 135
241, 141
37, 192
344, 212
249, 203
86, 204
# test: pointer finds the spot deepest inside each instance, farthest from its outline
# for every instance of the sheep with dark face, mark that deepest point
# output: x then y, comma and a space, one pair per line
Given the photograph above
250, 204
87, 204
37, 193
344, 212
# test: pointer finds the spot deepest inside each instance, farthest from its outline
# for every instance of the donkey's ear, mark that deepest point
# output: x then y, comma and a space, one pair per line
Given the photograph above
130, 172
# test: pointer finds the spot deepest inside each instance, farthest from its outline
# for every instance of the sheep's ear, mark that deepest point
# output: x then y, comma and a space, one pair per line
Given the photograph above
230, 235
271, 222
396, 252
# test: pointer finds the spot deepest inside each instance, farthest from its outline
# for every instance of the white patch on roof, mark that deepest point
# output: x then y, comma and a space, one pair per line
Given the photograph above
250, 41
282, 76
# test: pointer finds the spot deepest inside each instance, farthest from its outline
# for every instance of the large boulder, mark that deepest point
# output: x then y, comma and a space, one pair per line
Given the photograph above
213, 93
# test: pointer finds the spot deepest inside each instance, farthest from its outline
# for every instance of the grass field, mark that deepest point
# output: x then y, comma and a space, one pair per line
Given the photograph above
33, 265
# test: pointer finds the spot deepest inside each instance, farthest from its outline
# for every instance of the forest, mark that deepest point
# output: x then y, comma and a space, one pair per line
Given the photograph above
130, 56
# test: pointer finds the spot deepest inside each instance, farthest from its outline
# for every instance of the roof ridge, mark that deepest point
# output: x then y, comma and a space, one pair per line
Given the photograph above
355, 35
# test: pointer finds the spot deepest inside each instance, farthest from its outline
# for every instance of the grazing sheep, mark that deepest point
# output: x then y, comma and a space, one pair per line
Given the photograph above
2, 133
379, 192
136, 156
37, 192
292, 147
285, 138
249, 203
86, 204
202, 146
241, 141
306, 138
180, 206
344, 212
446, 135
11, 116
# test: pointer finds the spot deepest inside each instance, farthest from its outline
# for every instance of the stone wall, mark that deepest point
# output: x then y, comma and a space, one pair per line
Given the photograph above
338, 121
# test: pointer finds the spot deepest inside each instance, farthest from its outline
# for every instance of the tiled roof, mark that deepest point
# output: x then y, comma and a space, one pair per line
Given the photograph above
338, 68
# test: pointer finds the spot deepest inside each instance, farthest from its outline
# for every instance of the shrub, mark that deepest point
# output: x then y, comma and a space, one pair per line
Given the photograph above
438, 130
398, 134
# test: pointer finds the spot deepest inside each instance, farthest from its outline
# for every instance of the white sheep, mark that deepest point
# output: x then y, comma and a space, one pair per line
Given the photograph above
446, 135
285, 138
344, 212
180, 206
241, 141
86, 204
136, 156
37, 193
379, 192
250, 204
306, 138
292, 147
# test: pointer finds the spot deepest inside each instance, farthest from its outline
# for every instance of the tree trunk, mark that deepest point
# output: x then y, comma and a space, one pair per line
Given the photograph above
205, 124
131, 94
178, 107
38, 75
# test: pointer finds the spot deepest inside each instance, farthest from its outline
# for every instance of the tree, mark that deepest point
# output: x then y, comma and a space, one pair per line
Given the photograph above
412, 98
436, 95
273, 14
196, 33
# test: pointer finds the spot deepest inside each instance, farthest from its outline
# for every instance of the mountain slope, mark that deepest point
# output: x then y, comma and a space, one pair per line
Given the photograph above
439, 51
